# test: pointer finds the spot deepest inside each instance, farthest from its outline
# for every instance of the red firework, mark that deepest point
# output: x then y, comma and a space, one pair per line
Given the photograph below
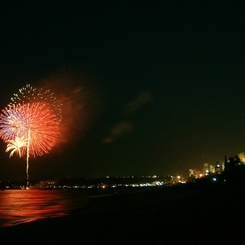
31, 123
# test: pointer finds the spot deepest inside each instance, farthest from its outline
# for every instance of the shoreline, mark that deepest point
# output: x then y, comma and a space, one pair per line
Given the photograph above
159, 214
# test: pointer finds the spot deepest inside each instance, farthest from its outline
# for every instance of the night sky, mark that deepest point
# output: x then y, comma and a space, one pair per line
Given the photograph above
163, 82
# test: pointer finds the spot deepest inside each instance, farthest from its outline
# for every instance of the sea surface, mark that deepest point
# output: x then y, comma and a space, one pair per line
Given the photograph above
21, 206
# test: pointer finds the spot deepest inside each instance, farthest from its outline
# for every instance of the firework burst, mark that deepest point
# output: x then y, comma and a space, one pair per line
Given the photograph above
30, 124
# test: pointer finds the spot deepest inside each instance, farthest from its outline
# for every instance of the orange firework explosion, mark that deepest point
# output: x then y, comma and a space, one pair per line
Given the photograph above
35, 119
31, 123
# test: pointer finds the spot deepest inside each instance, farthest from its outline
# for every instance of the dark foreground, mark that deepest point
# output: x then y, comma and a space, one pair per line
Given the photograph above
187, 214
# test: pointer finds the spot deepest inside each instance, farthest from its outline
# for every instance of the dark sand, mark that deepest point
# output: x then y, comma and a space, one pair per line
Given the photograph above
187, 214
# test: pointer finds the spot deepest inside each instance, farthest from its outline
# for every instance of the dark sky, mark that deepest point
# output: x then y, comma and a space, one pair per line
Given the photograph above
169, 75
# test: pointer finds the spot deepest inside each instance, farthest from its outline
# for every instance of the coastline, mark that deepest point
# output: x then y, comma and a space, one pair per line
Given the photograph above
164, 214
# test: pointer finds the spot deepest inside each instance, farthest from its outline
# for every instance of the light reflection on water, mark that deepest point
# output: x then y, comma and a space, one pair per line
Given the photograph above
20, 206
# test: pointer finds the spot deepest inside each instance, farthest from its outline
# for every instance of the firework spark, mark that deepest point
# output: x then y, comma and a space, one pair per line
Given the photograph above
30, 123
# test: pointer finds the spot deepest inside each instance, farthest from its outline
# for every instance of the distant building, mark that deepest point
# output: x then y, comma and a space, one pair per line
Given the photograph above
209, 169
241, 156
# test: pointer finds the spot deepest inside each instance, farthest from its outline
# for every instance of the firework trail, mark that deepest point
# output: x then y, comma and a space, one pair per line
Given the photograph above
30, 124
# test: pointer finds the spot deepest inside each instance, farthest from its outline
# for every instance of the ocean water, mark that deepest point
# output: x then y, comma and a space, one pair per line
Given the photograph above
21, 206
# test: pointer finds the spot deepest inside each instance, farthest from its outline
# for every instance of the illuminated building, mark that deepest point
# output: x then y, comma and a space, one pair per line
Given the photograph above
241, 156
213, 169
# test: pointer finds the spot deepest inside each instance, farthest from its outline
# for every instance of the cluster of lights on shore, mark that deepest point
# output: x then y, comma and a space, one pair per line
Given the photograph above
116, 182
